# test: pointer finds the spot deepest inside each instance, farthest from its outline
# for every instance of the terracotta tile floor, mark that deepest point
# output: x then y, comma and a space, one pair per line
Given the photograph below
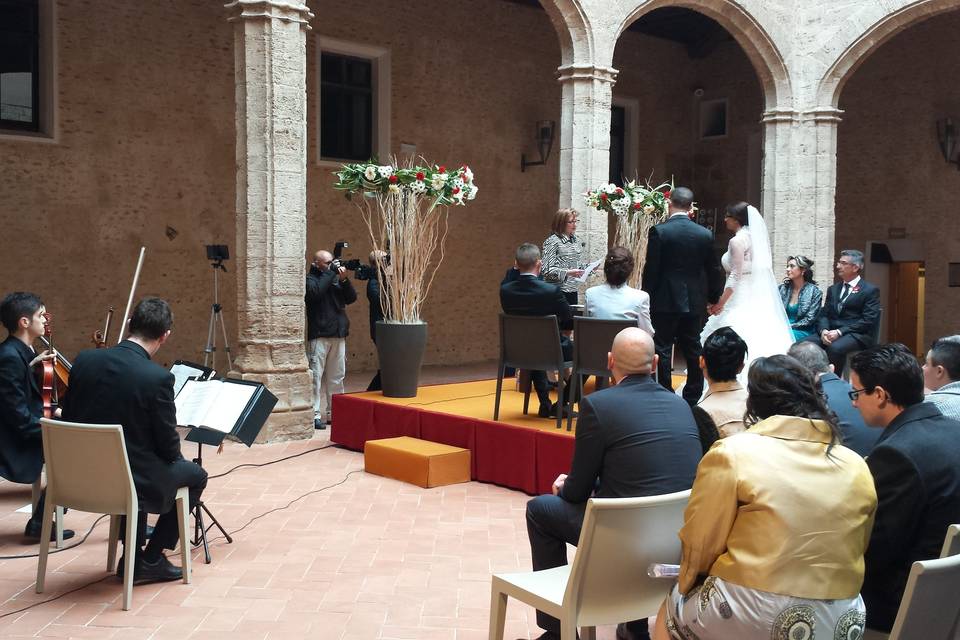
353, 556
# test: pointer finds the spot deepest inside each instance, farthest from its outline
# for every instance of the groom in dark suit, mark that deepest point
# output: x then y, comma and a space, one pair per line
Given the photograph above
850, 318
527, 295
680, 259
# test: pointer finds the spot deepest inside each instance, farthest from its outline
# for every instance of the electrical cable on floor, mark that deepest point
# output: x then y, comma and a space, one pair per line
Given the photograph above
266, 464
73, 546
65, 593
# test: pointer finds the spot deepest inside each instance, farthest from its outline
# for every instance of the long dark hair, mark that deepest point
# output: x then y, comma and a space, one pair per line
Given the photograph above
780, 385
738, 211
804, 263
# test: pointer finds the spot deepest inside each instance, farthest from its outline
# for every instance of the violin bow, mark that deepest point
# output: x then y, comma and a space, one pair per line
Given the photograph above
133, 289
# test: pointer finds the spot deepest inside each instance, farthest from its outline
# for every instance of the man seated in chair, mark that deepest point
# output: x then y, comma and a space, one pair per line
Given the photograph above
121, 385
21, 405
941, 375
915, 471
850, 317
634, 439
527, 295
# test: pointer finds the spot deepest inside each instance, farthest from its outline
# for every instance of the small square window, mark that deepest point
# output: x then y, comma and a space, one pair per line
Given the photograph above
713, 118
19, 65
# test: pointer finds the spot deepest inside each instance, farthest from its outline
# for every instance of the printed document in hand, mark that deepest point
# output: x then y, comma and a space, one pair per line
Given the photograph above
215, 404
588, 271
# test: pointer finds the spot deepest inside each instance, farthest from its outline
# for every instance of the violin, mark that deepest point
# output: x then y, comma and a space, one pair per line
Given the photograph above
48, 385
100, 337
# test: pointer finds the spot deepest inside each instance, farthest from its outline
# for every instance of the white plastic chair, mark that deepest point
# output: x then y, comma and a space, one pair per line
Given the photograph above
607, 582
951, 545
35, 490
88, 470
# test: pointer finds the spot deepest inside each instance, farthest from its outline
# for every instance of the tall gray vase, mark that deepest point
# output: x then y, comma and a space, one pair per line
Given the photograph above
400, 348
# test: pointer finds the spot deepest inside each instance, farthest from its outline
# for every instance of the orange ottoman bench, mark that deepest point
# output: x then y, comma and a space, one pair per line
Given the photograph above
420, 462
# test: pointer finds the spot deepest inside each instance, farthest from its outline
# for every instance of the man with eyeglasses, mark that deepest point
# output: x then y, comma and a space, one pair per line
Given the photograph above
850, 317
915, 470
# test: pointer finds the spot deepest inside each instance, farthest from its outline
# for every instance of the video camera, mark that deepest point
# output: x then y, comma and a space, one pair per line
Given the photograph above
360, 271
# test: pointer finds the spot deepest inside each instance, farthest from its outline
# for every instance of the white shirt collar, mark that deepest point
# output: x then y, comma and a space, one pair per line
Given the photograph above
853, 283
685, 214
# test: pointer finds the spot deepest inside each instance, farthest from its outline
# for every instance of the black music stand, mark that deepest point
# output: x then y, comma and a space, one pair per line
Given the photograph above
246, 429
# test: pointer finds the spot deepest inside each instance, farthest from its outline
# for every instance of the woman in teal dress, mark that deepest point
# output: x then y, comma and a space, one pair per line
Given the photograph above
801, 297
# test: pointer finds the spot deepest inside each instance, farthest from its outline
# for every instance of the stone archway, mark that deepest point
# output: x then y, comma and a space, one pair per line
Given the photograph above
886, 24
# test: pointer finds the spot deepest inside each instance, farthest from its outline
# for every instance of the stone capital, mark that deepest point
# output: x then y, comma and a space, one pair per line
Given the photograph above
828, 115
286, 11
581, 72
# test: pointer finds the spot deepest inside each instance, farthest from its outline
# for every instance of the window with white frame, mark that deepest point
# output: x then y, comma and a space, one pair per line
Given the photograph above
353, 101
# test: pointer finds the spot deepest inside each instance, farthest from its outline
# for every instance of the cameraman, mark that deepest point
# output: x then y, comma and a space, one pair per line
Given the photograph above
329, 291
373, 273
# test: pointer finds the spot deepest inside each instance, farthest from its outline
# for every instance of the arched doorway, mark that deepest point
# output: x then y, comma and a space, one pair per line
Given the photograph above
896, 193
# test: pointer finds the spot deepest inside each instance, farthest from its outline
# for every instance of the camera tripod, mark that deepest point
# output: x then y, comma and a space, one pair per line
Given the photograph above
199, 530
216, 317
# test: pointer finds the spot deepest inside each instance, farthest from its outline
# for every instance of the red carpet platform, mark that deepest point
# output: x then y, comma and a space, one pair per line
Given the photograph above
520, 452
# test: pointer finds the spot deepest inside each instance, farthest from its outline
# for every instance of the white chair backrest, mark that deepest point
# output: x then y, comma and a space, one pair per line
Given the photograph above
87, 466
620, 538
951, 545
930, 607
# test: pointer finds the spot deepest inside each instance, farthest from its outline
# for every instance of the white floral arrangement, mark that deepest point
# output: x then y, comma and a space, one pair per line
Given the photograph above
630, 198
443, 186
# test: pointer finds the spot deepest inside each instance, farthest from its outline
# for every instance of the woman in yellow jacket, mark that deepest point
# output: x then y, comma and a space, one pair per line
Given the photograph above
778, 521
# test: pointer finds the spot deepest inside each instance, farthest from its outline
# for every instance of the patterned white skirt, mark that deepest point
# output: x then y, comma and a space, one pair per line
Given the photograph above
723, 610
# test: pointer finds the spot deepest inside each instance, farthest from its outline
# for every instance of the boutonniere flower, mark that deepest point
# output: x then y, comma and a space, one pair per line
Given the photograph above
856, 289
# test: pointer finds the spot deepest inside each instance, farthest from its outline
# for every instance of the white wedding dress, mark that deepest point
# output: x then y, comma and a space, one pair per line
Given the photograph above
755, 310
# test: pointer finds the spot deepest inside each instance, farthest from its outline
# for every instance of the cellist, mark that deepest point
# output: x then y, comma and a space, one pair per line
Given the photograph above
21, 404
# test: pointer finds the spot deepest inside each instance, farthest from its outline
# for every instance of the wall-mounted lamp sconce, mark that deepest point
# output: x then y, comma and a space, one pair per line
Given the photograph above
544, 137
947, 137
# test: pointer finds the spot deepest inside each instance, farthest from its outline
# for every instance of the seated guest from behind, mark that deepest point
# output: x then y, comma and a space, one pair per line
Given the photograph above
633, 439
725, 400
615, 299
777, 523
801, 297
915, 470
21, 404
941, 374
856, 434
121, 385
527, 295
850, 318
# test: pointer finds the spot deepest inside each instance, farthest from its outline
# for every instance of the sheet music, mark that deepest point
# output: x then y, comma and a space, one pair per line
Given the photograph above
214, 404
183, 372
588, 271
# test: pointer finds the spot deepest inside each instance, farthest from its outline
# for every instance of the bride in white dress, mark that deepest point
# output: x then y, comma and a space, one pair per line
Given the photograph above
750, 303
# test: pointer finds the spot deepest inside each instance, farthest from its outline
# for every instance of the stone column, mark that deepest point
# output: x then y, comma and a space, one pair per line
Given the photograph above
270, 71
587, 92
799, 185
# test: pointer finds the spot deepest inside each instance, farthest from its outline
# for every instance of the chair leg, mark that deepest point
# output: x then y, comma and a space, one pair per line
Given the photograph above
496, 403
526, 382
59, 526
579, 394
561, 405
568, 627
588, 633
183, 512
112, 540
45, 540
129, 555
498, 614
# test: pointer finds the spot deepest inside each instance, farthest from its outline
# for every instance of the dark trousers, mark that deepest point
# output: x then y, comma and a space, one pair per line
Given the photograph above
684, 329
166, 532
375, 384
837, 351
572, 297
36, 518
552, 523
539, 378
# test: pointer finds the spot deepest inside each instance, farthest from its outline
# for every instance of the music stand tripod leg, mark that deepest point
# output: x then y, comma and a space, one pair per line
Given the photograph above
199, 529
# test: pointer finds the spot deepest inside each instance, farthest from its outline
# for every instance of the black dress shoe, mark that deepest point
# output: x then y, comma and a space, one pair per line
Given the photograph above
145, 573
33, 531
319, 424
149, 532
546, 410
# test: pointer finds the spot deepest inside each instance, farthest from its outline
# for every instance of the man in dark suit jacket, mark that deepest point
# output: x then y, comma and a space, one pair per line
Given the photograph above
856, 434
634, 439
121, 385
680, 259
527, 295
850, 317
915, 470
21, 404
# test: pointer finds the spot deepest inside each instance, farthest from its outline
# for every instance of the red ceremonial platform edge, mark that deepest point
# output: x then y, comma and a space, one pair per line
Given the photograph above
527, 458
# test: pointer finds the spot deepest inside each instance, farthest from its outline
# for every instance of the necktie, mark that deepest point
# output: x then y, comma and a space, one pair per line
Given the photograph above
843, 296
